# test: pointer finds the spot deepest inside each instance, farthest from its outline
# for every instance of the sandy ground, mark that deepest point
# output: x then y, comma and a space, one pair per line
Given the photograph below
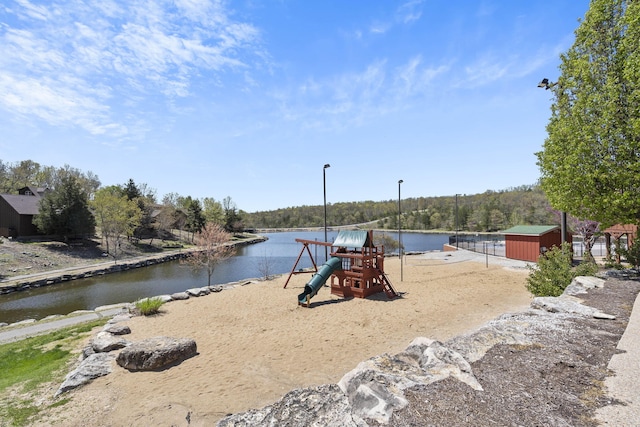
255, 343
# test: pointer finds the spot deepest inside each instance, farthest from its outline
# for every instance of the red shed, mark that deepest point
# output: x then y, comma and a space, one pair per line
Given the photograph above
527, 242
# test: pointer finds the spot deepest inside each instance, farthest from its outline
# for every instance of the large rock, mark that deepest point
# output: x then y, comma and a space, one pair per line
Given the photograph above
323, 405
105, 342
156, 353
117, 329
94, 366
198, 292
178, 296
375, 388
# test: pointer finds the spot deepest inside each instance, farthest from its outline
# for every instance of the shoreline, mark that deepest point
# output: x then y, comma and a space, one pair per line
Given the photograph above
57, 276
256, 343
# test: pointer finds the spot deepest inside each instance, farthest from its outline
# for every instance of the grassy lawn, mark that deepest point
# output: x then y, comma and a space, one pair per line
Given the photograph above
28, 366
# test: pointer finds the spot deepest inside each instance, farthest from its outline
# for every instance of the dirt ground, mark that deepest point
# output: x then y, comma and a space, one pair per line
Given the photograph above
255, 343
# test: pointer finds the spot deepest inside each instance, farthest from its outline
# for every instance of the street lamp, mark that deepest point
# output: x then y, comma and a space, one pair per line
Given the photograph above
324, 186
399, 230
457, 221
546, 84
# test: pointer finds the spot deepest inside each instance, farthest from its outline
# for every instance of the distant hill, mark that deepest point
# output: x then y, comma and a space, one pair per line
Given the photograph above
489, 211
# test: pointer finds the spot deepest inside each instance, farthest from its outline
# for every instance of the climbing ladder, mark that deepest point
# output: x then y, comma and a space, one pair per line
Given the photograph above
388, 288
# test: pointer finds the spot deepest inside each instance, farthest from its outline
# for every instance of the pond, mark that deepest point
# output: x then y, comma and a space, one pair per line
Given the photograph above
277, 255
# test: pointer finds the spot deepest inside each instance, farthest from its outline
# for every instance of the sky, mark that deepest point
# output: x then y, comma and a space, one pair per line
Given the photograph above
249, 99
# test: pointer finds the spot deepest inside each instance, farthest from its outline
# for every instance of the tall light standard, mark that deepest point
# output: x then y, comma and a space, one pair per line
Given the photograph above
457, 221
546, 84
324, 186
400, 230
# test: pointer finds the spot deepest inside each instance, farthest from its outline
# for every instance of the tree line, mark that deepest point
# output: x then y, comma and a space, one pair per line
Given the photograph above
486, 212
74, 204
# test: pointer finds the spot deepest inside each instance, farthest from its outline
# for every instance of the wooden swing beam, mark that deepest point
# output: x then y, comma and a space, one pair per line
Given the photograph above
305, 246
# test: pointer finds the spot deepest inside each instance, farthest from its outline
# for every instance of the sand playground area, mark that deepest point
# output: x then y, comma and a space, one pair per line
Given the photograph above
255, 343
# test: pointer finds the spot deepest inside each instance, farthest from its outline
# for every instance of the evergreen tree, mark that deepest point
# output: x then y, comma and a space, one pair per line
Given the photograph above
64, 211
590, 162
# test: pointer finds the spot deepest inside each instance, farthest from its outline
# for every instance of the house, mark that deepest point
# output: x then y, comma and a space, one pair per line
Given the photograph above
528, 242
17, 212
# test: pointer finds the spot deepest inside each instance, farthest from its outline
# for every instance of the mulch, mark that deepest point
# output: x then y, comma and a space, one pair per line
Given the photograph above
558, 381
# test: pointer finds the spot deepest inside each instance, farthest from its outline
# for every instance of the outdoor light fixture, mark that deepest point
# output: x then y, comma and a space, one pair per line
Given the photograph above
324, 186
546, 84
399, 230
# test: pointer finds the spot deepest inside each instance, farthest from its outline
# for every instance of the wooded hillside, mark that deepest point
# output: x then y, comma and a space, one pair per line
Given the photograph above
489, 211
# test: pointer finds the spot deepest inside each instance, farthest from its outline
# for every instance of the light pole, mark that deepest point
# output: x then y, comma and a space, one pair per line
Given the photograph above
324, 186
546, 84
457, 221
400, 230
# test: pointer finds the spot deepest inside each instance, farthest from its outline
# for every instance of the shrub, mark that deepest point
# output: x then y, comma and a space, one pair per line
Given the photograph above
149, 306
632, 255
553, 272
588, 267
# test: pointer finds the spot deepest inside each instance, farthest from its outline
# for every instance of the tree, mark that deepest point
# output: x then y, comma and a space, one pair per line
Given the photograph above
213, 211
194, 218
64, 211
590, 162
213, 247
232, 218
117, 216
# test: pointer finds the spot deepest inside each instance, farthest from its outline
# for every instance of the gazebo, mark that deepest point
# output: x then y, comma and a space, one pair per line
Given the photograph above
617, 231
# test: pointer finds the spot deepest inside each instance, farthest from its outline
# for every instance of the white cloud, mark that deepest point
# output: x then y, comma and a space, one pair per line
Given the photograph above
77, 62
409, 11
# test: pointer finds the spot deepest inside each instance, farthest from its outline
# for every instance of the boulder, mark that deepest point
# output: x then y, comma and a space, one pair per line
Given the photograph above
216, 288
105, 342
117, 329
580, 285
323, 405
94, 366
165, 298
567, 304
156, 353
198, 292
180, 296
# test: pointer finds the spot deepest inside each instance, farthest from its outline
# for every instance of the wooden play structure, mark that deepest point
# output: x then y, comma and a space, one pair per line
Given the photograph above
356, 267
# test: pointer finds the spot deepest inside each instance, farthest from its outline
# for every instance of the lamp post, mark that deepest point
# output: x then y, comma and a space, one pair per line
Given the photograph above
457, 221
324, 186
400, 230
546, 84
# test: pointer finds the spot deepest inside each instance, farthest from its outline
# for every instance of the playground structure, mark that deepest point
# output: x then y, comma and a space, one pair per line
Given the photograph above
356, 267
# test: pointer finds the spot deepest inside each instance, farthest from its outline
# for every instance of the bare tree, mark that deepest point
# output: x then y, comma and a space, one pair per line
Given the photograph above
213, 247
265, 267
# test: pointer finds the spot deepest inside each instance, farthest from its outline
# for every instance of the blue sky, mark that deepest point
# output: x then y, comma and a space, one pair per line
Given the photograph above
249, 99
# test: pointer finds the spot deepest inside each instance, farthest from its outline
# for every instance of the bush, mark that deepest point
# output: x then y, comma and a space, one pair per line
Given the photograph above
588, 267
553, 272
632, 255
149, 306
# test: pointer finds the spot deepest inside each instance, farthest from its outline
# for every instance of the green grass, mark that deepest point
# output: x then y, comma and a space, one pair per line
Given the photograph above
25, 365
149, 306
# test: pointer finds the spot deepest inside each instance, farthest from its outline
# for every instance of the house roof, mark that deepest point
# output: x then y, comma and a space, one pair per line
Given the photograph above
530, 230
22, 204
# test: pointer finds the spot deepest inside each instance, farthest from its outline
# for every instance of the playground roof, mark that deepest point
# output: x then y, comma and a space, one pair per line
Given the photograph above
352, 238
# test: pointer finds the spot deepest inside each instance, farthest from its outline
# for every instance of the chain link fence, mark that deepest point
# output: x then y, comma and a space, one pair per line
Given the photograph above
494, 244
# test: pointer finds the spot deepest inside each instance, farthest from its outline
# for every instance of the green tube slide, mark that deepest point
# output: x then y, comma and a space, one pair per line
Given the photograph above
319, 279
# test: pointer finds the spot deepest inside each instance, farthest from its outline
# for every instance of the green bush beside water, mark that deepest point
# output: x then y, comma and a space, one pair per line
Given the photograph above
149, 306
